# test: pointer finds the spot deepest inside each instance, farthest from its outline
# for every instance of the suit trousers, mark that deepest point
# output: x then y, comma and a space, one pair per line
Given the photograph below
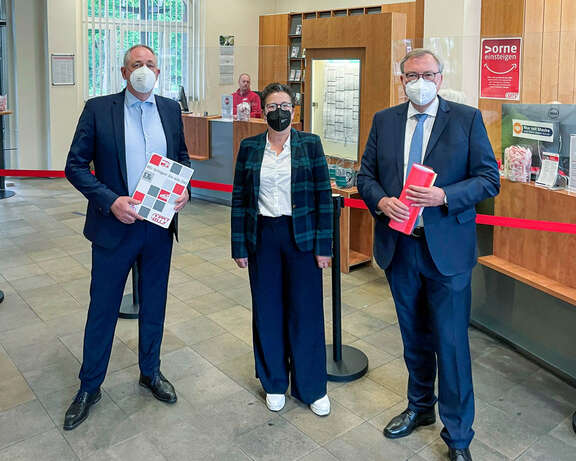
287, 313
433, 314
150, 246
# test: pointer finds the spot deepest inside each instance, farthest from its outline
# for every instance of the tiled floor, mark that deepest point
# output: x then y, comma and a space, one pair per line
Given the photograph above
522, 411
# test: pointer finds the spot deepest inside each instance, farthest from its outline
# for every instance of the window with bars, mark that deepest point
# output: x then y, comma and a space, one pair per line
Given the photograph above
172, 28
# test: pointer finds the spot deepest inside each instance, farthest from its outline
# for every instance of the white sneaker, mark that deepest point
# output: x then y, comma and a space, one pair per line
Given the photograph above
275, 402
322, 406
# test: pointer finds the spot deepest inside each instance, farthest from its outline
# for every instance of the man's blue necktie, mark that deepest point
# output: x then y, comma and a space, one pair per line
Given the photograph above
415, 155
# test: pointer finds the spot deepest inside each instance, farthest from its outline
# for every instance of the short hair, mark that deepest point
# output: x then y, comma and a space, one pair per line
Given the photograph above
132, 48
277, 88
242, 75
418, 52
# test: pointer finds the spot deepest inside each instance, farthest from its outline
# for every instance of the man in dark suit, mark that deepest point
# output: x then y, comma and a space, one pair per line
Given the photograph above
118, 134
429, 271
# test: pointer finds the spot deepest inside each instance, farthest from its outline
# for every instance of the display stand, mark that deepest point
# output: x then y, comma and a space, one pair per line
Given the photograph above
3, 192
343, 363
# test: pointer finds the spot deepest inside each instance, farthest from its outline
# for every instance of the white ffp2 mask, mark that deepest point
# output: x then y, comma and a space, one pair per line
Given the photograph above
143, 79
421, 91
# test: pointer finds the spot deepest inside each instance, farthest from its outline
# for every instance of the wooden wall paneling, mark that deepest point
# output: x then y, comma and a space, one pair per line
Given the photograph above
419, 24
273, 49
567, 56
408, 9
532, 54
374, 33
502, 18
550, 51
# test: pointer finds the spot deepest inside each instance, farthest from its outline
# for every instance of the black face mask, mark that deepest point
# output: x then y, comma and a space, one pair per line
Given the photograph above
279, 119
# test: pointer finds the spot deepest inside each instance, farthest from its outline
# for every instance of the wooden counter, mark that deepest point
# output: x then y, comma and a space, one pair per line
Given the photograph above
197, 135
540, 259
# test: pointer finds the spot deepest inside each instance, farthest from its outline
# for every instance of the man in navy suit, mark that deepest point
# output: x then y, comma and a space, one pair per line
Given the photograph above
429, 271
118, 134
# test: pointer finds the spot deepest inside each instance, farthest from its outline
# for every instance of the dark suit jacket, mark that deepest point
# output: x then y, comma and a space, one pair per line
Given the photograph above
460, 153
311, 195
99, 138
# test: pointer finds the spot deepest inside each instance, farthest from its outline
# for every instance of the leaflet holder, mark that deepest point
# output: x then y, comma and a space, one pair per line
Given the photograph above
343, 363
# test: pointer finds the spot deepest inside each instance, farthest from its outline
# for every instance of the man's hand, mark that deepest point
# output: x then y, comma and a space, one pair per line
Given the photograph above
241, 262
123, 209
394, 209
181, 201
425, 196
323, 261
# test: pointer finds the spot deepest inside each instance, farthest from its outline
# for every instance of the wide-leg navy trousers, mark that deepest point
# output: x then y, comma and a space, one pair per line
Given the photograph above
287, 313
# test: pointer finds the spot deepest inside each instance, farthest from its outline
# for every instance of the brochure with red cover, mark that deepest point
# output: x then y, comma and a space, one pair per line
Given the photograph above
419, 175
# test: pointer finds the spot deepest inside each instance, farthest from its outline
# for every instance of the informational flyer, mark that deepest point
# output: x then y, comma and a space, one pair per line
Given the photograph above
549, 170
162, 182
500, 68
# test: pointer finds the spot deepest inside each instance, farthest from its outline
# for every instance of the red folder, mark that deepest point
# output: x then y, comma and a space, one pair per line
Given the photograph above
419, 175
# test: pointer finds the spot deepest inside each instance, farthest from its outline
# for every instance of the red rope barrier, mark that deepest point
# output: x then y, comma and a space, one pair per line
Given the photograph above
518, 223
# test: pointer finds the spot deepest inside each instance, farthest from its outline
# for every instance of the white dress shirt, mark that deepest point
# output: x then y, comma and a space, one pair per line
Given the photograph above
411, 123
275, 197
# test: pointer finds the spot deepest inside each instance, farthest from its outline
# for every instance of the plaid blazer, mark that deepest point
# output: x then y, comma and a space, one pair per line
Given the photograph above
311, 195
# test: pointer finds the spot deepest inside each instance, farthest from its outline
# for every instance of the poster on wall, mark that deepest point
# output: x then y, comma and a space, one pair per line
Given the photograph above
226, 59
62, 66
500, 68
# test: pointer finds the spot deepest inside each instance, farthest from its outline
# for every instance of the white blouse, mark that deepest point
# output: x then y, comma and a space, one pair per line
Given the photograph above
275, 197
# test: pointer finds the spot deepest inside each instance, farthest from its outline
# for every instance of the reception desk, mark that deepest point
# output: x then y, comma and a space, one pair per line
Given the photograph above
213, 144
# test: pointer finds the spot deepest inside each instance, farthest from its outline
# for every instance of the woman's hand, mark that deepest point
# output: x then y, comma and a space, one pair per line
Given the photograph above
323, 261
241, 262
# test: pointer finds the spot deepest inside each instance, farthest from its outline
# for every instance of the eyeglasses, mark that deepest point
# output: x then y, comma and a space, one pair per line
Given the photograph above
430, 76
273, 106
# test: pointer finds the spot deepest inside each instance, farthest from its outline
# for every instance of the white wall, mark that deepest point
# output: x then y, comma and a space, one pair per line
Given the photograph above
29, 99
63, 18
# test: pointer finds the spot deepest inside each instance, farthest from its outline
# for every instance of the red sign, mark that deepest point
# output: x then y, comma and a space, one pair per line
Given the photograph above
500, 68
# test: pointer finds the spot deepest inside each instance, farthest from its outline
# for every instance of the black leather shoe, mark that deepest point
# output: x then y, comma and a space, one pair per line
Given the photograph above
459, 454
160, 387
79, 409
403, 424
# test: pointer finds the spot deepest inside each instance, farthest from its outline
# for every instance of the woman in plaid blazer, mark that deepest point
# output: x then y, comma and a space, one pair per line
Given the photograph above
282, 232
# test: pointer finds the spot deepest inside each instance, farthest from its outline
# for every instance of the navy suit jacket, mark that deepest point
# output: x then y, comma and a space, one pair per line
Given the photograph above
99, 139
460, 153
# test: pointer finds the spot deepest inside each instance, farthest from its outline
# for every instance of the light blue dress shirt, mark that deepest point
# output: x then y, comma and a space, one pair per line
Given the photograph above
143, 135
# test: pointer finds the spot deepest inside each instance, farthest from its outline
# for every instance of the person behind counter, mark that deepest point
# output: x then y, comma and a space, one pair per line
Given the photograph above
282, 232
245, 94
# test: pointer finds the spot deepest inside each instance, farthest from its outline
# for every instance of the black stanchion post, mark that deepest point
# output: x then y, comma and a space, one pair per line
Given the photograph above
574, 422
131, 303
343, 363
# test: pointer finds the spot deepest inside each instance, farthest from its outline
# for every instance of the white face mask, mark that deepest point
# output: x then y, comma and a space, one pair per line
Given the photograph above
143, 79
421, 91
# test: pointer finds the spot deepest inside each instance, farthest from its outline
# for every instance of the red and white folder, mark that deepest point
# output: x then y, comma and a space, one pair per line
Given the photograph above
419, 175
